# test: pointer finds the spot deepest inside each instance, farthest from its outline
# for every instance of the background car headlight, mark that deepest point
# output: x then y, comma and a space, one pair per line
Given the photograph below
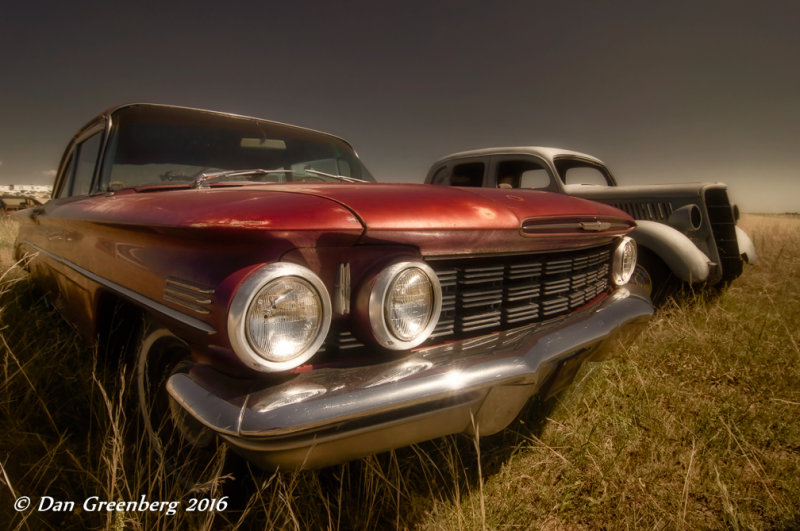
404, 305
279, 317
624, 261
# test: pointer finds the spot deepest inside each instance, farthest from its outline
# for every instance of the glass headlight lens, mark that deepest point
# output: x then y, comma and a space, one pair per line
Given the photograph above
624, 261
409, 303
284, 319
404, 304
278, 317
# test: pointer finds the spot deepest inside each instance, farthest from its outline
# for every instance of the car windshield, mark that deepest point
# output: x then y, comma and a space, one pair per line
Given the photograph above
171, 146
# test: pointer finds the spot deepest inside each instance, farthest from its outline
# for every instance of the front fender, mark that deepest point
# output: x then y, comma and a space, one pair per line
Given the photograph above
746, 247
684, 259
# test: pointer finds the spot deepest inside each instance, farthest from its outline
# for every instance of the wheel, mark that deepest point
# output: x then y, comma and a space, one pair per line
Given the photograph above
160, 354
653, 275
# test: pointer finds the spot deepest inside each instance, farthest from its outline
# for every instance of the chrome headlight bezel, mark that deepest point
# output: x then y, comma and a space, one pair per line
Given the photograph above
245, 296
383, 331
622, 266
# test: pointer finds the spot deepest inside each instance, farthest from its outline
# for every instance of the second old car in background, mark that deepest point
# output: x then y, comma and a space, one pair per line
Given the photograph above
281, 299
686, 233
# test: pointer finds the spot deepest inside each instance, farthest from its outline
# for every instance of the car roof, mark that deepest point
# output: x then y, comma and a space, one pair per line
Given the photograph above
159, 108
541, 151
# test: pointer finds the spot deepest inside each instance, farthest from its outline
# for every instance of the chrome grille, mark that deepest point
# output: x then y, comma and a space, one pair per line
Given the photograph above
723, 225
485, 294
481, 295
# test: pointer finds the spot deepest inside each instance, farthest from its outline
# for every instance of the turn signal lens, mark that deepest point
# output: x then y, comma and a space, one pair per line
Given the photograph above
624, 261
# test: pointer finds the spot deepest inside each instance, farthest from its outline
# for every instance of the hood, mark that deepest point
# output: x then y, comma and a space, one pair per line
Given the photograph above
436, 219
415, 207
446, 221
663, 191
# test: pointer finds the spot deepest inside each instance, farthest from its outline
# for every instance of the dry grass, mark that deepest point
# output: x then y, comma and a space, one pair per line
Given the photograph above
695, 425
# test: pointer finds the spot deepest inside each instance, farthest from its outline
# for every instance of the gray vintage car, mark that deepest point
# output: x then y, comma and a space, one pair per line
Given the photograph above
686, 233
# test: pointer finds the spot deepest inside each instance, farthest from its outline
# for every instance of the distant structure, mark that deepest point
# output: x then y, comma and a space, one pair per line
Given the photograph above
23, 189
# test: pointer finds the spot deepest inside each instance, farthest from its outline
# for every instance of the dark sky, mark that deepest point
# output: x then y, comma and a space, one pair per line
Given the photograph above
663, 92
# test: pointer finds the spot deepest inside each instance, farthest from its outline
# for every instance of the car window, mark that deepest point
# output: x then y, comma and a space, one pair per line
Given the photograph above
584, 175
145, 150
522, 173
442, 176
87, 152
538, 178
69, 174
468, 174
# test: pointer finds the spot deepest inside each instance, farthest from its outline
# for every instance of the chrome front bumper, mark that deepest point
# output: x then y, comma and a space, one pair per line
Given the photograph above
331, 415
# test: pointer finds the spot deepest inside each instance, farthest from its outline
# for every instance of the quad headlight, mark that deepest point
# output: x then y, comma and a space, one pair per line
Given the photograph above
279, 317
404, 305
624, 261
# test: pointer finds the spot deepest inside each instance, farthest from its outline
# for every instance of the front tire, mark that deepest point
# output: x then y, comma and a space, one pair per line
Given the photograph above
653, 276
160, 354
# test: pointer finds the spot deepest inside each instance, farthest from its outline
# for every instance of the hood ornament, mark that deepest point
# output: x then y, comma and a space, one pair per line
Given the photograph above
595, 226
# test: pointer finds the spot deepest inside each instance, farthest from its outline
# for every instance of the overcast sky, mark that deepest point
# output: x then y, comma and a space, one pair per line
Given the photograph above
662, 91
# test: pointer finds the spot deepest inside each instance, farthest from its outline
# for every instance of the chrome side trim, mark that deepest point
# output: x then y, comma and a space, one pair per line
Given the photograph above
186, 286
531, 227
341, 295
185, 304
182, 318
190, 296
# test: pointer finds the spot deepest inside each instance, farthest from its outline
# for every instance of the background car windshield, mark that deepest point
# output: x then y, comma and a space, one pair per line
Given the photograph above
172, 146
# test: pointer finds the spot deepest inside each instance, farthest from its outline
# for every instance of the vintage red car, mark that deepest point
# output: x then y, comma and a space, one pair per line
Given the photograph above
287, 303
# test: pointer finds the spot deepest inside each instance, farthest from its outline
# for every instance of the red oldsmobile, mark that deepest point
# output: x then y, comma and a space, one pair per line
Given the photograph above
278, 298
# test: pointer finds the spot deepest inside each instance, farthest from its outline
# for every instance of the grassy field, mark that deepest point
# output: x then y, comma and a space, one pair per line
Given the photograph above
696, 425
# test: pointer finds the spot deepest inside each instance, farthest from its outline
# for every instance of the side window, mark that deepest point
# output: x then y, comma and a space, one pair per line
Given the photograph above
522, 174
468, 174
87, 151
442, 176
69, 175
537, 178
584, 175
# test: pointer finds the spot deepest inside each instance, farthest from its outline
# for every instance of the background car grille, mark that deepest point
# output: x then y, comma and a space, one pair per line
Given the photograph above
481, 295
723, 225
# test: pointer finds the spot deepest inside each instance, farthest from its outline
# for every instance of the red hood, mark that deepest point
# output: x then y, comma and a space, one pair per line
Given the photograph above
443, 220
436, 219
420, 207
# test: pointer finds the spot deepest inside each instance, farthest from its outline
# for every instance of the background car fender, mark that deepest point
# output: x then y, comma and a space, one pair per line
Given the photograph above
746, 247
677, 251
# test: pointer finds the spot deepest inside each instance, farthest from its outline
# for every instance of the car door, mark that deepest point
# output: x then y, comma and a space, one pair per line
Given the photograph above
53, 235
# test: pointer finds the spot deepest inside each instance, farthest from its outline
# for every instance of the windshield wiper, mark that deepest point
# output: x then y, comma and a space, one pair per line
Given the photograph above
344, 178
201, 180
